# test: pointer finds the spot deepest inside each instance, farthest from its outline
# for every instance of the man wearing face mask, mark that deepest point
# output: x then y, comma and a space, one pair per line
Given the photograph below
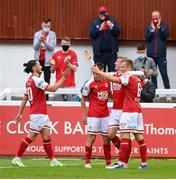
144, 63
60, 61
44, 43
156, 35
104, 32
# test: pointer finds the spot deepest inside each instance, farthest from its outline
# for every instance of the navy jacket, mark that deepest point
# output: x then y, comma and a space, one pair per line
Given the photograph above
156, 41
104, 41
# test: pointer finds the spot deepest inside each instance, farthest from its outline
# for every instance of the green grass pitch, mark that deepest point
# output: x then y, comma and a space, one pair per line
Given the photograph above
38, 167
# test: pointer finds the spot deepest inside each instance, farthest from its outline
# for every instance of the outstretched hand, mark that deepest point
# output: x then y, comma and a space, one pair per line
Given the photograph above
87, 54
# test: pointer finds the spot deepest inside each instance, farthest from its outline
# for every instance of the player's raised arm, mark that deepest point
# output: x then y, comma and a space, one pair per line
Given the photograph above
21, 109
58, 84
88, 56
106, 75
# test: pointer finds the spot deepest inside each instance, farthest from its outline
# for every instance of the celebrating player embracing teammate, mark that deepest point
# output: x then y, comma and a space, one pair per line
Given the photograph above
131, 120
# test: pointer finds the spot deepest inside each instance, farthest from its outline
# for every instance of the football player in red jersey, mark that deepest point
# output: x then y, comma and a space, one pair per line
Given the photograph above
97, 90
118, 97
117, 92
131, 120
39, 120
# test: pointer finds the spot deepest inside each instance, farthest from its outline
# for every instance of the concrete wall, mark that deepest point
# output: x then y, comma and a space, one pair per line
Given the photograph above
13, 56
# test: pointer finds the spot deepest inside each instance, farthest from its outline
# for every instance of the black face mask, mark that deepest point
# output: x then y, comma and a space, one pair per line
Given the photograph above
105, 14
65, 47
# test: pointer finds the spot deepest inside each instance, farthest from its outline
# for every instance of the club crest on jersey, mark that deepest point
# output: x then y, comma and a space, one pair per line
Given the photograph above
102, 95
106, 85
84, 90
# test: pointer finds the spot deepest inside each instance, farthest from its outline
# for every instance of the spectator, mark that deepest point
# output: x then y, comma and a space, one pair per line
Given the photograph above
44, 43
156, 35
104, 32
59, 62
144, 63
148, 89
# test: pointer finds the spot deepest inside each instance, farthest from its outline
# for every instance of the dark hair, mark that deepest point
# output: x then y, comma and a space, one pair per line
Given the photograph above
100, 66
46, 20
140, 47
67, 39
29, 65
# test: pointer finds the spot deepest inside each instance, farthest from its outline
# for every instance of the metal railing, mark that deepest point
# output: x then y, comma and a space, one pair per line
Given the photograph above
9, 92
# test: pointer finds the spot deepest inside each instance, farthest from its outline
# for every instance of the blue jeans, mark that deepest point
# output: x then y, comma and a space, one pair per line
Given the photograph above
161, 62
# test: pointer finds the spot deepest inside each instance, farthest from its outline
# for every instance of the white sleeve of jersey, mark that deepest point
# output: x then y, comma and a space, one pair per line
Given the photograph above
40, 83
124, 79
136, 73
85, 90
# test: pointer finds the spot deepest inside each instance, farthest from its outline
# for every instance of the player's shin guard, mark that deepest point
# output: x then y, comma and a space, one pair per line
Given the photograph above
48, 148
124, 150
143, 150
88, 153
107, 153
24, 144
116, 142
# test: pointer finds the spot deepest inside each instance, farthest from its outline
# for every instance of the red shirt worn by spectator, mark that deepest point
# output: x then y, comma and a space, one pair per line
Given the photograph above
59, 57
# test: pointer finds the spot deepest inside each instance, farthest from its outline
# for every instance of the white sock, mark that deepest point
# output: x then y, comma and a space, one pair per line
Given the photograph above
143, 164
53, 160
17, 158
